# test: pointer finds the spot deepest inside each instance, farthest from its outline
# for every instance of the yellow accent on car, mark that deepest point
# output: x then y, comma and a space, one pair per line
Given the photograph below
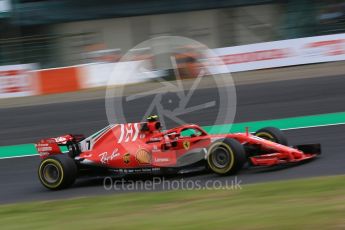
210, 163
59, 166
265, 134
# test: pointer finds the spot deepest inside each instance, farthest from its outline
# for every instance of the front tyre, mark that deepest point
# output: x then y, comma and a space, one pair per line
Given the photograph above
272, 134
57, 172
226, 156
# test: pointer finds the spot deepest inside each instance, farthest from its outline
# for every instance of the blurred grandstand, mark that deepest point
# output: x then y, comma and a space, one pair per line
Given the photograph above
69, 32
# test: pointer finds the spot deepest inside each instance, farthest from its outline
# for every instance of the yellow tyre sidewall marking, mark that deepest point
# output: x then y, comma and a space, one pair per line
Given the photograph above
265, 135
232, 160
58, 165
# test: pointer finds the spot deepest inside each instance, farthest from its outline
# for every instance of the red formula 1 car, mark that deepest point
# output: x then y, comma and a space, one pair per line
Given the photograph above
144, 148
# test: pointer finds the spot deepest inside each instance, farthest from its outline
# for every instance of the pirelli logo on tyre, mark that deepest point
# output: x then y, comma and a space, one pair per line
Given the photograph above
143, 156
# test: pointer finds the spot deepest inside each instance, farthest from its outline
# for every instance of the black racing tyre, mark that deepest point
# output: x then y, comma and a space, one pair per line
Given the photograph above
226, 156
272, 134
57, 172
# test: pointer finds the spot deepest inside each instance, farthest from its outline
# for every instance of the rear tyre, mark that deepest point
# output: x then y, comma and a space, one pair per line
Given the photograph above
226, 156
272, 134
57, 172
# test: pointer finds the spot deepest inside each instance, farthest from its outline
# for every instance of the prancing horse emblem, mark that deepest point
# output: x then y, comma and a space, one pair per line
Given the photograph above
186, 145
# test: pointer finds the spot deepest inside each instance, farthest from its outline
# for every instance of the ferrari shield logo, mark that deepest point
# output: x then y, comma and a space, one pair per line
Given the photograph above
126, 158
186, 145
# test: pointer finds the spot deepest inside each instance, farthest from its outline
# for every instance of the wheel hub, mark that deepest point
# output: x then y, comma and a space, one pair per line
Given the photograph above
51, 173
220, 158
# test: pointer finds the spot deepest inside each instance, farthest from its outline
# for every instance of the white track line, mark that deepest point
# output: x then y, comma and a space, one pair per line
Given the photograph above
315, 126
31, 155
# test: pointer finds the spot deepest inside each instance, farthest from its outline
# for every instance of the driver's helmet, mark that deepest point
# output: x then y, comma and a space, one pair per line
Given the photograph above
152, 118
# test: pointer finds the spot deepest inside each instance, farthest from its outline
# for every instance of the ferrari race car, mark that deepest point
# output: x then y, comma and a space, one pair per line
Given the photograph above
122, 149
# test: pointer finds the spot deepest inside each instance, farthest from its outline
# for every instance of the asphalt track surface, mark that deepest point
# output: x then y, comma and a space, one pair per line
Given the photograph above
18, 177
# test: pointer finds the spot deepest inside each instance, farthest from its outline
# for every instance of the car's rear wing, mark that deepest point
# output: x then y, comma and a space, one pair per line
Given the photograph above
51, 146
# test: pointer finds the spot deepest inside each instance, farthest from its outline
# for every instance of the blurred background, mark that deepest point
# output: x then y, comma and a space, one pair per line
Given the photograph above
70, 32
286, 58
73, 46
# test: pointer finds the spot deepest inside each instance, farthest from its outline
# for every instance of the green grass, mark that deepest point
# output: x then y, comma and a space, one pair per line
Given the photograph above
317, 203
